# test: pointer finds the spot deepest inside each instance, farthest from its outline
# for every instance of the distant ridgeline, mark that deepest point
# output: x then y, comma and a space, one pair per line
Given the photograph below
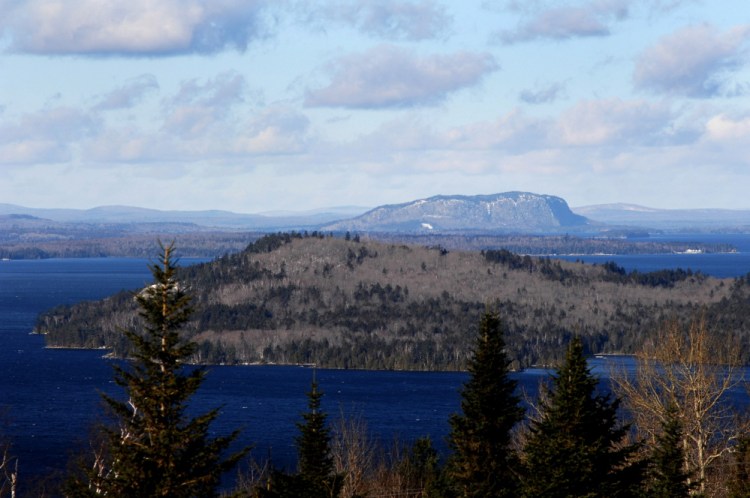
351, 303
506, 212
519, 221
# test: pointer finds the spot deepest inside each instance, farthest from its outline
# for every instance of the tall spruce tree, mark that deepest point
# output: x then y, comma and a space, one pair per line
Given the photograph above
483, 463
154, 449
667, 476
315, 477
576, 448
313, 443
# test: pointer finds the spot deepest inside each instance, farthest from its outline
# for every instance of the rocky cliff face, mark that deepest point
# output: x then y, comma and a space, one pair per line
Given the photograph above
511, 211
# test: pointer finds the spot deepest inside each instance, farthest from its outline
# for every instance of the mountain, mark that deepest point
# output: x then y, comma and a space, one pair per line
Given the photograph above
635, 215
506, 212
287, 220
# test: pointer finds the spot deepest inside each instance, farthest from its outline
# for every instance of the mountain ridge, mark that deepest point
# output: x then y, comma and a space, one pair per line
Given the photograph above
508, 211
550, 213
214, 218
657, 218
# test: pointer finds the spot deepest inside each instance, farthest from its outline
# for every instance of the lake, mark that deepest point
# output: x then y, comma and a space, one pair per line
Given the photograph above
49, 398
720, 265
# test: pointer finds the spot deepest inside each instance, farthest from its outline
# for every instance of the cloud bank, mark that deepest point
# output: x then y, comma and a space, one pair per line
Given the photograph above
695, 61
561, 23
388, 19
390, 76
132, 27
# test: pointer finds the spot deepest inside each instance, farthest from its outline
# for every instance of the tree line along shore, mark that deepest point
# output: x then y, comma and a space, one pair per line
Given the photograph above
668, 431
351, 302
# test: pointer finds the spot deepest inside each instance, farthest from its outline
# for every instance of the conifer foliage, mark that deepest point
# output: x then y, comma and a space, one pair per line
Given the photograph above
483, 462
154, 449
313, 442
315, 477
668, 477
576, 447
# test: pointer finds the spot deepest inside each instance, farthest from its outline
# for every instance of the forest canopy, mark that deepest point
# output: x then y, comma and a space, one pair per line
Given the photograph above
357, 303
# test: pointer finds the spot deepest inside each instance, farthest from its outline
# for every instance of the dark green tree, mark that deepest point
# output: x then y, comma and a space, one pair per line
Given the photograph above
739, 486
420, 471
313, 442
315, 477
667, 476
153, 448
483, 462
576, 448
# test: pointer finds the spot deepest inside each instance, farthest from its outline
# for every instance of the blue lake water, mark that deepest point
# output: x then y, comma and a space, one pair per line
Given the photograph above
720, 265
49, 398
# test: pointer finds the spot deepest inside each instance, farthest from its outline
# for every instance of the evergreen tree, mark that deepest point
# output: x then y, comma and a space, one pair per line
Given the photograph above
420, 472
739, 486
667, 475
155, 449
483, 464
313, 442
576, 448
315, 477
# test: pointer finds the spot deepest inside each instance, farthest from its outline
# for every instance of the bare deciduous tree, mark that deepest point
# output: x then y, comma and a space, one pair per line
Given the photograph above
353, 452
688, 367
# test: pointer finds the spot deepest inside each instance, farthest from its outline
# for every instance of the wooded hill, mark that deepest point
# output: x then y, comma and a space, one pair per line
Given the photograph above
363, 304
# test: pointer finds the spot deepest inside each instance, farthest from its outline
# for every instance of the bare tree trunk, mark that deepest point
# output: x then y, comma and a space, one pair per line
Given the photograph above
353, 455
9, 467
688, 367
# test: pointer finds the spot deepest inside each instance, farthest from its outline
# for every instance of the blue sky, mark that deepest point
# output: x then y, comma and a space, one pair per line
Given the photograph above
267, 105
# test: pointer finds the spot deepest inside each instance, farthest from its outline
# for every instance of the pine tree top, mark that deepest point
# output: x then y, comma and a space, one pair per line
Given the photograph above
313, 443
575, 447
155, 448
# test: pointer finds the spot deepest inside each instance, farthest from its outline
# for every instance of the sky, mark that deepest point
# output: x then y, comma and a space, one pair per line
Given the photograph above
256, 106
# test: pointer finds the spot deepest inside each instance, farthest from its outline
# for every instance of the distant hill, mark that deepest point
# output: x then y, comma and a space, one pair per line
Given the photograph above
466, 221
211, 218
641, 216
359, 303
505, 212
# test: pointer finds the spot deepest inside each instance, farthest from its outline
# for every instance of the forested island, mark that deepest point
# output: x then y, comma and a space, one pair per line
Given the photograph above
351, 302
572, 440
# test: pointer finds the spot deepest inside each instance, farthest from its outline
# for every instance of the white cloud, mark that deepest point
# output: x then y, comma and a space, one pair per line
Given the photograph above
724, 128
129, 94
275, 131
615, 122
132, 27
64, 124
125, 145
513, 132
31, 151
44, 136
394, 136
388, 76
602, 128
696, 61
542, 95
561, 23
193, 135
222, 91
389, 19
198, 107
